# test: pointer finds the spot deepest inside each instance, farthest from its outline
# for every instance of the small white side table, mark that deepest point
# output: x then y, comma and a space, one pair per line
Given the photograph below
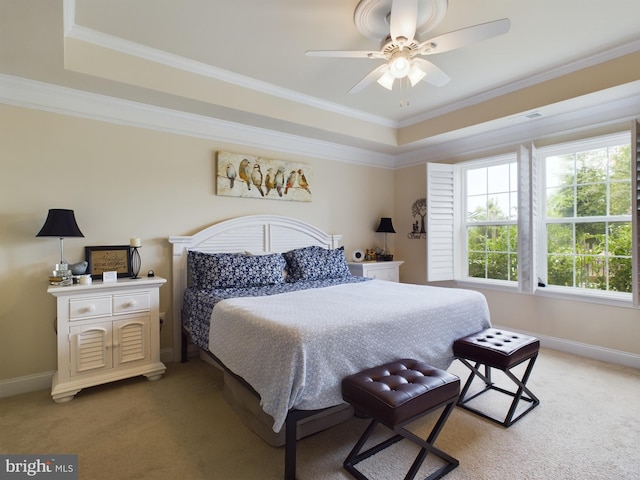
381, 270
106, 332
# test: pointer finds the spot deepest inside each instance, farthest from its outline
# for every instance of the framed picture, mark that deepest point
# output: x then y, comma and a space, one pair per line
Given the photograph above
240, 175
108, 259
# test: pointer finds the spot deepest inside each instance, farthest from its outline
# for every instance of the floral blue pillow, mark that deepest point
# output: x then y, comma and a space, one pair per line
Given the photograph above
228, 270
316, 263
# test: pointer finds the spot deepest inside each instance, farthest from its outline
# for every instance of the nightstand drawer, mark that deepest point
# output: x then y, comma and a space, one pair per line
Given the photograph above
138, 302
89, 308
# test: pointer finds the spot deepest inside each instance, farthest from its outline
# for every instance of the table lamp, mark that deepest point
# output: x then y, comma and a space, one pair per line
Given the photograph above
386, 227
61, 223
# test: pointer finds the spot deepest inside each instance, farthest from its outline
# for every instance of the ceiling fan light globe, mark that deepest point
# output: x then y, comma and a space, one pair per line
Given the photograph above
415, 75
386, 80
400, 67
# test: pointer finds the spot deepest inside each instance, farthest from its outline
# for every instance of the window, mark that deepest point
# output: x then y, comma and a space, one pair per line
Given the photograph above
587, 215
490, 223
564, 215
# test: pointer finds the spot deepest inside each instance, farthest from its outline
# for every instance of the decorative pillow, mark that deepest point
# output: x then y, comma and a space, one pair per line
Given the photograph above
316, 263
227, 270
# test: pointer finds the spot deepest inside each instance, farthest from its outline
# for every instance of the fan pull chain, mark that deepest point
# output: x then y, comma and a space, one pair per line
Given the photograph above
404, 84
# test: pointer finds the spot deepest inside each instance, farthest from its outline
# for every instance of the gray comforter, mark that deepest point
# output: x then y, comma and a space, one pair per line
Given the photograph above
294, 348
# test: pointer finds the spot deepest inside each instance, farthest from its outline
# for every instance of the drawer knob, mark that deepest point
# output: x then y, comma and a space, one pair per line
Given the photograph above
131, 303
89, 309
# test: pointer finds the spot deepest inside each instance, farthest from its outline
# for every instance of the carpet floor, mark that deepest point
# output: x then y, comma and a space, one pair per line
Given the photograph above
586, 427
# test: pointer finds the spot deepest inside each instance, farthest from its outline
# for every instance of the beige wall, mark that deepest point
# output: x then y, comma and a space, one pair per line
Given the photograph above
593, 324
124, 181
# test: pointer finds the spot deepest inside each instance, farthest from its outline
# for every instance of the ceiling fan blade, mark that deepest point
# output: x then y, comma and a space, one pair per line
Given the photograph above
464, 36
371, 77
435, 76
404, 17
344, 54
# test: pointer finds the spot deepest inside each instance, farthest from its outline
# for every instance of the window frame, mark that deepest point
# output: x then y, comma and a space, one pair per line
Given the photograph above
463, 274
592, 143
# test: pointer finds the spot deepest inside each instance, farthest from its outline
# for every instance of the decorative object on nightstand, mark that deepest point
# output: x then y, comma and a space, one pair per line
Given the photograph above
385, 227
136, 262
60, 223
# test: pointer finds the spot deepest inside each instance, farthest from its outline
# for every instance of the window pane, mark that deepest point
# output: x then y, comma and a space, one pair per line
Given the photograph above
591, 200
560, 238
513, 212
477, 265
497, 240
591, 238
513, 268
477, 239
498, 208
498, 178
560, 270
619, 162
591, 166
476, 208
620, 238
590, 272
513, 238
498, 266
477, 181
620, 274
560, 202
560, 171
620, 198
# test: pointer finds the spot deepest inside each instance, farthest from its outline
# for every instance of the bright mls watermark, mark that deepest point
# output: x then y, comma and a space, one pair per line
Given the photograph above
52, 467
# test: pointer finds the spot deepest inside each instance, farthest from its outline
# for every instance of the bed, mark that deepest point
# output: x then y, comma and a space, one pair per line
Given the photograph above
295, 322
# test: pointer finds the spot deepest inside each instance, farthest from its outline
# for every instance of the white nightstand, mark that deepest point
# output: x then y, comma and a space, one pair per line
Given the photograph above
381, 270
106, 332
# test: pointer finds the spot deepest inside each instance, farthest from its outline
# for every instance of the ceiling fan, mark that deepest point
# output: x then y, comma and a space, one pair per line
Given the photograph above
402, 50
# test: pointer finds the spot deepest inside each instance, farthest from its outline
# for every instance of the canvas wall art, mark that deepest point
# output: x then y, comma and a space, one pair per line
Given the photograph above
239, 175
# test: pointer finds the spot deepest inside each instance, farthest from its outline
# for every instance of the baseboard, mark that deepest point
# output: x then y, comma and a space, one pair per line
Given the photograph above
166, 355
28, 383
594, 352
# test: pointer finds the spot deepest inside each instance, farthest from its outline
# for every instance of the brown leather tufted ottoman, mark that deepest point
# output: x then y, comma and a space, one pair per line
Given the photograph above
395, 394
503, 350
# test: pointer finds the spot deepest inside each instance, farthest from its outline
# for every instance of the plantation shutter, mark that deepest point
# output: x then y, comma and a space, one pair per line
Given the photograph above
635, 215
440, 222
527, 220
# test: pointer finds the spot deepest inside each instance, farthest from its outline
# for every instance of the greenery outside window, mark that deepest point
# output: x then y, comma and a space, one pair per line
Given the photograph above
491, 221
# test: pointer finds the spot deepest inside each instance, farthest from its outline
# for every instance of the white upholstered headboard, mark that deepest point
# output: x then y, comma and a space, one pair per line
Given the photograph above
252, 233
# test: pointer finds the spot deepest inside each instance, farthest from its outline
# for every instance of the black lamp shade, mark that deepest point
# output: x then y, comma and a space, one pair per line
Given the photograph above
60, 223
385, 226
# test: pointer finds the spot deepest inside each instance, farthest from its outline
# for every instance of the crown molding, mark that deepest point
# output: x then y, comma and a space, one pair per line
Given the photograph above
37, 95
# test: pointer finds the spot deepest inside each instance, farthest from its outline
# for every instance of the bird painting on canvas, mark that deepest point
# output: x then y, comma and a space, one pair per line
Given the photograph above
269, 181
302, 181
231, 174
291, 180
245, 172
256, 178
279, 181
